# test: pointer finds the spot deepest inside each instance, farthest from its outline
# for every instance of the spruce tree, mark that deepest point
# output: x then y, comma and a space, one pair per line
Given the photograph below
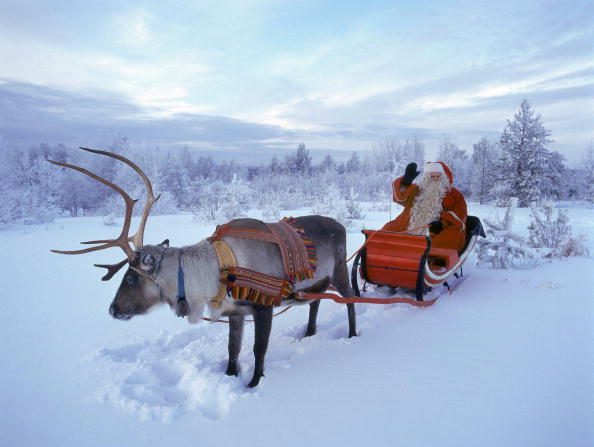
327, 164
299, 162
554, 185
354, 163
525, 161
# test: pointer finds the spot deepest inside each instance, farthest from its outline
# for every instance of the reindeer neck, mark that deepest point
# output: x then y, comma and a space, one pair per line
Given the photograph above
201, 268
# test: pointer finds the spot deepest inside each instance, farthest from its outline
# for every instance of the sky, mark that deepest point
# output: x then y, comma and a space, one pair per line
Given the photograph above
263, 76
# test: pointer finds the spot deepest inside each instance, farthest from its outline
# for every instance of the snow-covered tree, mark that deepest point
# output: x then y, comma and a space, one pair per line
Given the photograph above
554, 183
484, 160
330, 202
226, 170
221, 201
458, 161
175, 178
354, 163
275, 166
79, 194
550, 232
502, 190
203, 168
588, 169
354, 210
525, 162
502, 248
299, 162
30, 185
9, 205
391, 156
272, 211
575, 184
546, 230
416, 148
328, 164
10, 194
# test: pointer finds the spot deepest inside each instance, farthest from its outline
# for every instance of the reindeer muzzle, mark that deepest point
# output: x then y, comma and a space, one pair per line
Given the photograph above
115, 312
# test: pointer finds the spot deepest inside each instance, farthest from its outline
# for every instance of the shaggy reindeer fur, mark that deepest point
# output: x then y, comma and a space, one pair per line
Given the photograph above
154, 281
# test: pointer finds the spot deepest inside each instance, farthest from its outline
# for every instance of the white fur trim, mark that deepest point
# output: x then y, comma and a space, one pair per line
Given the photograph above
433, 279
397, 192
432, 167
458, 219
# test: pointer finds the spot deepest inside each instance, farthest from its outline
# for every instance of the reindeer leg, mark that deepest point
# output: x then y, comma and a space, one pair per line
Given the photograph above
317, 287
235, 336
313, 316
341, 282
262, 327
352, 320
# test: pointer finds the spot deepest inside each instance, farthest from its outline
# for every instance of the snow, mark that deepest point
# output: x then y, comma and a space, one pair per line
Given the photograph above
506, 360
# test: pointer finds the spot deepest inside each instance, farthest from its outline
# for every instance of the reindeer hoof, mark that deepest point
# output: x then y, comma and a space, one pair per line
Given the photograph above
255, 381
232, 370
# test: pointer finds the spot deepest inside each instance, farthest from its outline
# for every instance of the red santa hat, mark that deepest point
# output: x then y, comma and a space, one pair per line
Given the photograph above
440, 167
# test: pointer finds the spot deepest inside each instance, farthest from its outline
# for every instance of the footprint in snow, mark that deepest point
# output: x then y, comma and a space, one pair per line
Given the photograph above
178, 373
125, 353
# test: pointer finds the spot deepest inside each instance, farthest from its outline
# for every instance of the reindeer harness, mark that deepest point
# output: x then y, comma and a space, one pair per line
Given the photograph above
297, 252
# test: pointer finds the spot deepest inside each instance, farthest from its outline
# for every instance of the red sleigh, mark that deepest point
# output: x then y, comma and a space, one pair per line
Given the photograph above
406, 261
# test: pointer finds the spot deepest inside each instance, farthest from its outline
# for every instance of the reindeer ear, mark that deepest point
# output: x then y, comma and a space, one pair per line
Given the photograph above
165, 244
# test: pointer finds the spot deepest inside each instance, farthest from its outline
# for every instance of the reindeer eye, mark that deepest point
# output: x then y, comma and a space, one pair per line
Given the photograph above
148, 260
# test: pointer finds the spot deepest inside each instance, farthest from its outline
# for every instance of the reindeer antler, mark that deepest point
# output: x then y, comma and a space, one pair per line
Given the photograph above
112, 269
123, 240
137, 238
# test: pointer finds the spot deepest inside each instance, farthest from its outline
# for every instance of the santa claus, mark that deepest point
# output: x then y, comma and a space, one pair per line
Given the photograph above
433, 203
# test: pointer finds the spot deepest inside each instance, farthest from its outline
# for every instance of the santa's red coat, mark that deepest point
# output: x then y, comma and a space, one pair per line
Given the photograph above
453, 215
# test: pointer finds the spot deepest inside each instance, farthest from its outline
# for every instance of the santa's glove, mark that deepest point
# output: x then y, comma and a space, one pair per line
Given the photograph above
435, 227
410, 174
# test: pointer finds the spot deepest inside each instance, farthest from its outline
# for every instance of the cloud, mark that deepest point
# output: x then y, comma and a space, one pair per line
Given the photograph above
133, 28
32, 113
473, 102
271, 75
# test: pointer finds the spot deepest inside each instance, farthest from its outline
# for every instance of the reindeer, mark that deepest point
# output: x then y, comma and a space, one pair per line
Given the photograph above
159, 274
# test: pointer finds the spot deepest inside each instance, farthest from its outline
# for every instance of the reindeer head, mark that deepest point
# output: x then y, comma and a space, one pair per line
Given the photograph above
138, 292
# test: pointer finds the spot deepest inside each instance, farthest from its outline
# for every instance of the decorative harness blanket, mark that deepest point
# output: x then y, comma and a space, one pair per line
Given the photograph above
298, 255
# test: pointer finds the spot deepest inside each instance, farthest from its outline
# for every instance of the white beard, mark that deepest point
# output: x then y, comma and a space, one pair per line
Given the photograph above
428, 204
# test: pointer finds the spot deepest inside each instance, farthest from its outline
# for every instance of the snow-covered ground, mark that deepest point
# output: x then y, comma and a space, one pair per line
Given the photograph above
507, 360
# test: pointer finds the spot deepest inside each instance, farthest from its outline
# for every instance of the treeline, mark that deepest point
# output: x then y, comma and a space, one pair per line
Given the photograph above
517, 165
35, 191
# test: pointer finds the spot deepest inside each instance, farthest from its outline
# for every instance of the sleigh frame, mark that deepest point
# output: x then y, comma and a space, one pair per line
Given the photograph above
407, 261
